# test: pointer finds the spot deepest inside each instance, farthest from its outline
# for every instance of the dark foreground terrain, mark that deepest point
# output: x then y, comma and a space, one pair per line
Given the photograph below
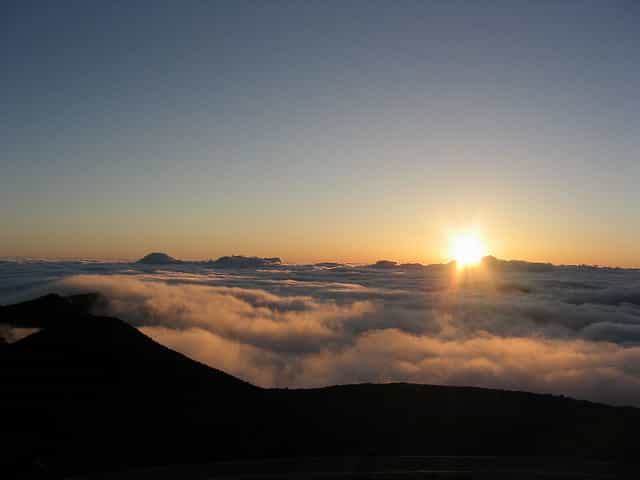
89, 394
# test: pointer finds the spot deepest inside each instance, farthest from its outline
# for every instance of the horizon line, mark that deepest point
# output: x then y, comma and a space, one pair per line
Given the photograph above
129, 260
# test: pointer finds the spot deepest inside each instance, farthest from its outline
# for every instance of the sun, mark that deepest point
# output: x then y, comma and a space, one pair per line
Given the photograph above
467, 249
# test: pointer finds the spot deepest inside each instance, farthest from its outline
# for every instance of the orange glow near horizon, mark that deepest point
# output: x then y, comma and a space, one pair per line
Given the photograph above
426, 243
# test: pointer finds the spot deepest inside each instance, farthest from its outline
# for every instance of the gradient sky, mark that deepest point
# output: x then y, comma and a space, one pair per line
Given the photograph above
320, 130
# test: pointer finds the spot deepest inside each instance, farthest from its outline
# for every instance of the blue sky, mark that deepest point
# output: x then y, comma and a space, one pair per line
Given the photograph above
320, 130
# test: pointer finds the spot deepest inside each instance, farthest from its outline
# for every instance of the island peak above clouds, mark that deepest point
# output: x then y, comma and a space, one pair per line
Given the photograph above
158, 258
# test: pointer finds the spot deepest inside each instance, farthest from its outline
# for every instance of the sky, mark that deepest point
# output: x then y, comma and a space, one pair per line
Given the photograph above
314, 131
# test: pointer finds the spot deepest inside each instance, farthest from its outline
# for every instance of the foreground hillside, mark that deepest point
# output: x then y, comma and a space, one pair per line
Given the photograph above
88, 393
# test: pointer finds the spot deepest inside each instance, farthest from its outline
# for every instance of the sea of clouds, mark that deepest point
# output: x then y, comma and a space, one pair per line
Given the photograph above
570, 331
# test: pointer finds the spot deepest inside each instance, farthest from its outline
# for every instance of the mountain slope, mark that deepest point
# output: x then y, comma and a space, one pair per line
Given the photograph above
90, 393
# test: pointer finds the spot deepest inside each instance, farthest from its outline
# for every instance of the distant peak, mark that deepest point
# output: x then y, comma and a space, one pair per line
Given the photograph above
240, 261
383, 264
158, 258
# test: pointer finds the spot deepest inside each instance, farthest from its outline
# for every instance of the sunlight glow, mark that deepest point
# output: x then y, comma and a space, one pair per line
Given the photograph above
467, 249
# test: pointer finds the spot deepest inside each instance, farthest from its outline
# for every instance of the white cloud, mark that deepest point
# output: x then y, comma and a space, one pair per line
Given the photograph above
564, 331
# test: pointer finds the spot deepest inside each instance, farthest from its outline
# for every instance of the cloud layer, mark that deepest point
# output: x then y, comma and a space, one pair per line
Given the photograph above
563, 330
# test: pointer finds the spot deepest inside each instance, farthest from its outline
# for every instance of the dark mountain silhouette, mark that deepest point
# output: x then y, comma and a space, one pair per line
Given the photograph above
492, 263
157, 258
91, 393
516, 265
329, 264
383, 264
240, 261
252, 262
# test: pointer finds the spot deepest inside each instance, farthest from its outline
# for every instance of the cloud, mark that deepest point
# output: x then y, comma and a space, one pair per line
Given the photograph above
566, 331
9, 334
577, 367
593, 370
254, 317
624, 334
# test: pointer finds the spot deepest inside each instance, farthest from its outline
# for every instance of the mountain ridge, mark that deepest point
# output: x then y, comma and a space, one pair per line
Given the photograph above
488, 261
89, 393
